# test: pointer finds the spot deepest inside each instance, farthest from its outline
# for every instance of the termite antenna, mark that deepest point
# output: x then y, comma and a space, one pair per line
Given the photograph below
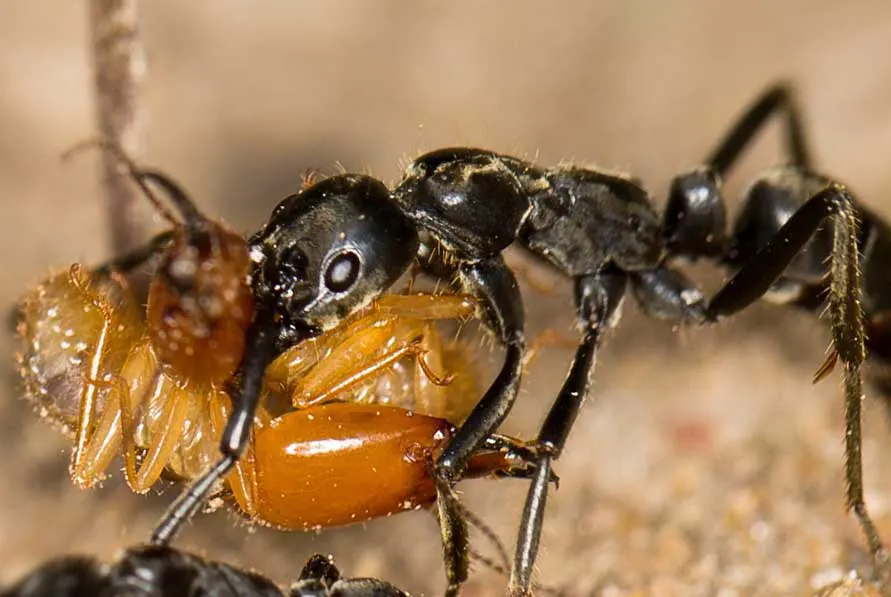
191, 217
502, 566
488, 533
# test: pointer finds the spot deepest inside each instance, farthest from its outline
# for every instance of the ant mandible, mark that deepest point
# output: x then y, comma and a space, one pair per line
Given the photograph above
158, 388
334, 246
163, 571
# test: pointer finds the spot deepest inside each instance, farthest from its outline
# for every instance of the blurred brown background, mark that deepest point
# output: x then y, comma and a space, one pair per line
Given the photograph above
704, 464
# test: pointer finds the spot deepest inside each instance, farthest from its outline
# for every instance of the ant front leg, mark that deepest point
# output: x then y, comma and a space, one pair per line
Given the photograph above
598, 298
495, 288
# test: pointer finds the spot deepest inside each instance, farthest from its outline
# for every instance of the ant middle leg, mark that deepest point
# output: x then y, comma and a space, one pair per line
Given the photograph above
598, 299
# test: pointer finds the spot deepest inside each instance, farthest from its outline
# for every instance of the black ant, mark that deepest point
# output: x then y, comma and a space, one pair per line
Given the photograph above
336, 245
156, 387
161, 571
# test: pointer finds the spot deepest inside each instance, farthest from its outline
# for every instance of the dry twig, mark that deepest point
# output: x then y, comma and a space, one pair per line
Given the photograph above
119, 66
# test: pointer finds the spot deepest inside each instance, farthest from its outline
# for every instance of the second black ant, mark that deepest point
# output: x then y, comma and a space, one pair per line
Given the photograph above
162, 571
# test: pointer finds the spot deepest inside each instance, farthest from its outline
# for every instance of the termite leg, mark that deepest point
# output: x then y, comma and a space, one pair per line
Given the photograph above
169, 430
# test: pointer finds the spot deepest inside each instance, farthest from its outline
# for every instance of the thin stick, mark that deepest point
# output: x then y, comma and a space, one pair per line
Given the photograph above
119, 63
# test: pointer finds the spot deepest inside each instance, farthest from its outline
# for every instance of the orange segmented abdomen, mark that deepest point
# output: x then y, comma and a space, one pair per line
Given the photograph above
61, 323
200, 304
339, 464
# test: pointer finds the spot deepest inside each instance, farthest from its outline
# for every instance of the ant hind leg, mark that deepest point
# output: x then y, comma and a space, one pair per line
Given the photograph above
847, 326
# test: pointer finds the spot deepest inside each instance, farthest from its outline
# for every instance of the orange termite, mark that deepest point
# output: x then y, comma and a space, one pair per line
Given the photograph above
146, 382
362, 399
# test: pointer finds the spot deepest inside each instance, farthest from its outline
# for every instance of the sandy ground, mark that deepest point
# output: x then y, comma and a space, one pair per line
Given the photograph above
705, 462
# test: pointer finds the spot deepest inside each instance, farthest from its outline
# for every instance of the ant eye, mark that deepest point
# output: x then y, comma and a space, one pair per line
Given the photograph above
635, 222
342, 272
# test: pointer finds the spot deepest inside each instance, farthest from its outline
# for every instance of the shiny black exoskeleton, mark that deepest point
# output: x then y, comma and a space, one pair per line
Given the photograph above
155, 571
335, 245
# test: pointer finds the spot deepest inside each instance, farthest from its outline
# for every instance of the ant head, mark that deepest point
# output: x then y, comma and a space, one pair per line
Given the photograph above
329, 250
695, 217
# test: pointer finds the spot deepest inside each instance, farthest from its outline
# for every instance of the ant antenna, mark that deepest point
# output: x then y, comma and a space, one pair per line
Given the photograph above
190, 214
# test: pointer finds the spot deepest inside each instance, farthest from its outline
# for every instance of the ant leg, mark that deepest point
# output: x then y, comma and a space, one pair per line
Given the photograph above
848, 337
777, 98
522, 455
598, 298
755, 278
695, 215
495, 288
260, 349
664, 293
